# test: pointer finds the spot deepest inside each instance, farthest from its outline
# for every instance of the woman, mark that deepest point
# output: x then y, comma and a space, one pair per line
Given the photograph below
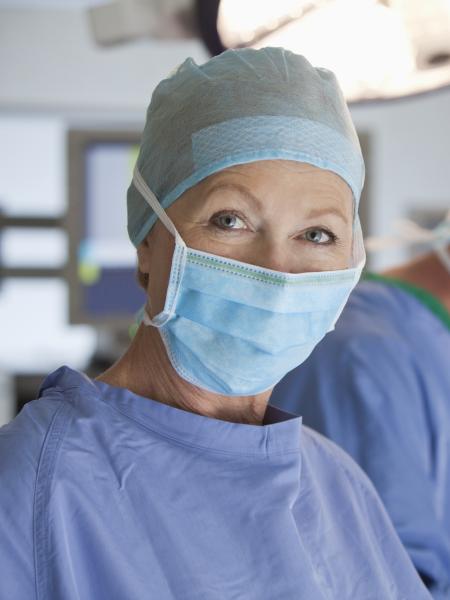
170, 477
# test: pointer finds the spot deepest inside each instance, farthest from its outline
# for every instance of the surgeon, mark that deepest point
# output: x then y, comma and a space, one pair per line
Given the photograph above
379, 386
171, 476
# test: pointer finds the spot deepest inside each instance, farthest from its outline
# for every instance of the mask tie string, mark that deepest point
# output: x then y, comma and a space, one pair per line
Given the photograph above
179, 255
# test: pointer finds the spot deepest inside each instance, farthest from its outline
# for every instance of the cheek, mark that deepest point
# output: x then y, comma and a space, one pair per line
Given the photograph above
333, 257
344, 251
315, 261
342, 261
246, 247
211, 241
342, 255
159, 270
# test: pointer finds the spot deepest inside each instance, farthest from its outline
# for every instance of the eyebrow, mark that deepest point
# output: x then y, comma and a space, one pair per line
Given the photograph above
322, 212
236, 187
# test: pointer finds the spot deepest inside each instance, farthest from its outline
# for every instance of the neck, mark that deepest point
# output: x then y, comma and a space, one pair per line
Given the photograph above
426, 272
146, 370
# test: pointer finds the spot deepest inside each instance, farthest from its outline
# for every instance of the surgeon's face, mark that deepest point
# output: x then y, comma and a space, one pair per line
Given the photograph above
282, 215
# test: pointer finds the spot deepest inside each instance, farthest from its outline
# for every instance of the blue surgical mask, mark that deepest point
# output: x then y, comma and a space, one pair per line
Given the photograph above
236, 329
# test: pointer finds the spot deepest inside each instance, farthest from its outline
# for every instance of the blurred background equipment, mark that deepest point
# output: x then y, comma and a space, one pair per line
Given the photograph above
7, 398
426, 228
125, 20
379, 49
102, 262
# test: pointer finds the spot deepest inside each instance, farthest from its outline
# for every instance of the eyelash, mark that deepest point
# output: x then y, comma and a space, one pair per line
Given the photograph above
223, 213
333, 237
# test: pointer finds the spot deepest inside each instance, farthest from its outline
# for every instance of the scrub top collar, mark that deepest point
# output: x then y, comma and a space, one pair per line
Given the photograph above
280, 432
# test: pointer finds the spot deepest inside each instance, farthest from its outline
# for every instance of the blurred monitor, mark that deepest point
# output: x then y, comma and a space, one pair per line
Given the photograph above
102, 261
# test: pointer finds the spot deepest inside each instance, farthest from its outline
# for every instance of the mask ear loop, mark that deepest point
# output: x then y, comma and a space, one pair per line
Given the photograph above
410, 233
178, 259
152, 200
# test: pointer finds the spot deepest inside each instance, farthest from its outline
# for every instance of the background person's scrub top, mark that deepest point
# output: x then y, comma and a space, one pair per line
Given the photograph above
108, 495
379, 386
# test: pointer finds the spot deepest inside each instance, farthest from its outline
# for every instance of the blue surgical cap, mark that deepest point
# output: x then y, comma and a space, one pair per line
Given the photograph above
241, 106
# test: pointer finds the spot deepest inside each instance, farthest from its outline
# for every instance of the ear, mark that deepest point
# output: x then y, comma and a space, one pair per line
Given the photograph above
144, 253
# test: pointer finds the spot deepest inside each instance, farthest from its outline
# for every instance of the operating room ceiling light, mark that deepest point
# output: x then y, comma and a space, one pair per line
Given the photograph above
378, 48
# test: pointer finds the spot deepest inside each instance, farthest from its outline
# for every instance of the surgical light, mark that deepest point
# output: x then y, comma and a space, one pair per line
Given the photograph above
379, 49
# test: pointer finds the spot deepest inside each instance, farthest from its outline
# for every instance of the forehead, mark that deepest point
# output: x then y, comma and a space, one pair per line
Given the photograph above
272, 171
270, 185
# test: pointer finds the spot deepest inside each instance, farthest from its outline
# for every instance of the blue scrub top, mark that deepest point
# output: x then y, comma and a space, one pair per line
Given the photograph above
106, 495
379, 386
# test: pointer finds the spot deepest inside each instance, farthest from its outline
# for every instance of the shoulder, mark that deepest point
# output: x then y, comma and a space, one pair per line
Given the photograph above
21, 440
34, 434
369, 338
373, 309
378, 307
65, 399
341, 511
379, 295
322, 456
370, 331
21, 448
346, 492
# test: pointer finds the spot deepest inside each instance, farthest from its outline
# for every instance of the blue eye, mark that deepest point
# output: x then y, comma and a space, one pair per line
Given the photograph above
319, 236
228, 221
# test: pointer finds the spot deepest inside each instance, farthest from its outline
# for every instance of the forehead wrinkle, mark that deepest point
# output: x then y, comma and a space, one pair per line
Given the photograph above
236, 187
323, 212
304, 201
243, 191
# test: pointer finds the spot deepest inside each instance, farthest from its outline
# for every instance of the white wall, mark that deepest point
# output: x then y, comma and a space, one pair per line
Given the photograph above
52, 76
49, 60
410, 162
